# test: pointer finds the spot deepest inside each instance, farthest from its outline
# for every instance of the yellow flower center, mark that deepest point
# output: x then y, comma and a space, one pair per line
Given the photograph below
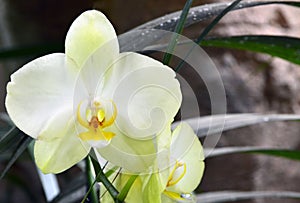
96, 122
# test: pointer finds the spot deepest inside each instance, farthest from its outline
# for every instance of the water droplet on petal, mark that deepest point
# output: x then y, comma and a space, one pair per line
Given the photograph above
186, 196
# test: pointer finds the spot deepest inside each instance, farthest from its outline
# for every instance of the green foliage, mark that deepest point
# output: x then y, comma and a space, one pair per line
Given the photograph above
126, 188
178, 30
20, 148
272, 151
280, 46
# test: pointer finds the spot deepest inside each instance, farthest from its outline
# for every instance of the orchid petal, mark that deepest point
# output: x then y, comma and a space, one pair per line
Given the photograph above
87, 33
133, 155
58, 147
137, 156
153, 189
146, 94
186, 148
38, 90
93, 71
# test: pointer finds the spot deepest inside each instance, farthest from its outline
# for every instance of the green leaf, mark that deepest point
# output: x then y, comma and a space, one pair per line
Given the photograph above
5, 118
279, 152
209, 28
178, 30
91, 182
137, 39
280, 46
10, 139
209, 125
111, 171
16, 154
96, 164
104, 180
216, 20
234, 196
123, 194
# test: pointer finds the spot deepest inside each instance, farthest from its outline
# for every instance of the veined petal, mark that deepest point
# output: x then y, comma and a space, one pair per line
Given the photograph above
38, 90
133, 155
186, 148
93, 70
138, 156
153, 189
58, 146
87, 33
146, 94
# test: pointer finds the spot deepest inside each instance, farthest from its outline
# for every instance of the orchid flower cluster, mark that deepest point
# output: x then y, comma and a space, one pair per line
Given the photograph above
120, 105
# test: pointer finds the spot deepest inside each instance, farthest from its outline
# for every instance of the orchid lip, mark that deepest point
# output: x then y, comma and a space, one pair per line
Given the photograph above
96, 121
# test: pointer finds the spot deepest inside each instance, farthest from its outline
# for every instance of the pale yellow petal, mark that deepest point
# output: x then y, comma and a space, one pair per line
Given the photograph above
58, 146
146, 93
89, 32
38, 90
186, 148
133, 155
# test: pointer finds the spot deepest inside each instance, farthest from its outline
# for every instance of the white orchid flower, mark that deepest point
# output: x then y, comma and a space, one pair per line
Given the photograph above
174, 183
93, 97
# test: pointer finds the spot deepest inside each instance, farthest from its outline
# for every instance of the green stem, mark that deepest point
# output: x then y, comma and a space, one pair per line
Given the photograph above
91, 181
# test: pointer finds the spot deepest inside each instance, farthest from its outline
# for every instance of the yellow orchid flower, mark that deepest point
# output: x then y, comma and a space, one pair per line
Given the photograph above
93, 97
174, 183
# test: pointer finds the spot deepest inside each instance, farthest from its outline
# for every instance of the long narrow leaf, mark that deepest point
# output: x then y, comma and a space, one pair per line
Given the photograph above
133, 40
144, 35
104, 180
10, 139
272, 151
280, 46
233, 196
126, 188
204, 12
208, 29
16, 154
4, 117
209, 125
216, 20
178, 30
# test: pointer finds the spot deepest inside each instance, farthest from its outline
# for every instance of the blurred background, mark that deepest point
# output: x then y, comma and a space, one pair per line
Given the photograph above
254, 83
